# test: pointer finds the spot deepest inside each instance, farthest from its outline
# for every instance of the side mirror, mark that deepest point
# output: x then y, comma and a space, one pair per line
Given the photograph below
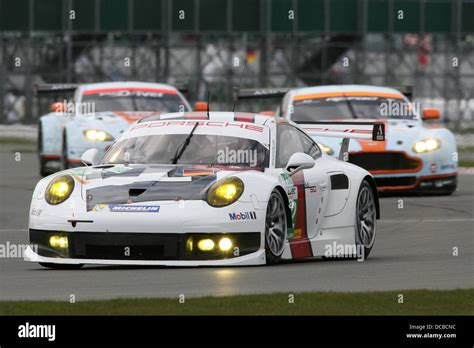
57, 107
430, 114
200, 106
299, 161
89, 158
268, 113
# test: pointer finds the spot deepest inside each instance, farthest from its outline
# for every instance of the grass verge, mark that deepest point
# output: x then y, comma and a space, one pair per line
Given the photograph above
416, 302
16, 141
466, 163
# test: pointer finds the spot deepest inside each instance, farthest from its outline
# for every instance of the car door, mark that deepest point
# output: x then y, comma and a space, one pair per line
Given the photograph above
310, 186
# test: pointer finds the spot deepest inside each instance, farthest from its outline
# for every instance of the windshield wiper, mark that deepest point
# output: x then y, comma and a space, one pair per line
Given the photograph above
180, 150
351, 107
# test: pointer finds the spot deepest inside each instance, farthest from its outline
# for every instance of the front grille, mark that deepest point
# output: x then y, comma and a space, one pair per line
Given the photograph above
372, 161
142, 246
401, 181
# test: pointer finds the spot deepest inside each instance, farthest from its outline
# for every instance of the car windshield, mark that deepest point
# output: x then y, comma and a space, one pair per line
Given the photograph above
337, 108
207, 149
135, 101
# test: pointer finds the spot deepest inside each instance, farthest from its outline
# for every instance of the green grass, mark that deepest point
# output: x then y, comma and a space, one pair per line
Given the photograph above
468, 149
416, 302
466, 131
466, 163
16, 141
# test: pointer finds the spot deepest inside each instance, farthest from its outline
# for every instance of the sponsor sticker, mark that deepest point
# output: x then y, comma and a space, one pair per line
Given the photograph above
247, 215
125, 208
297, 233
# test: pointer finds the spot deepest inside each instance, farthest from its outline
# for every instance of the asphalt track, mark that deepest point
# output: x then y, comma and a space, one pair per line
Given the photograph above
413, 250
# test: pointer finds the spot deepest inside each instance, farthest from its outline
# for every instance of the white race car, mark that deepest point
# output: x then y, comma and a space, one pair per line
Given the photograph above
207, 189
416, 157
96, 116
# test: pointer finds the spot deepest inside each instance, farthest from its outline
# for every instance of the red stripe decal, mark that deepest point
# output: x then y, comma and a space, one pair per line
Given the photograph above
196, 116
300, 245
240, 117
131, 89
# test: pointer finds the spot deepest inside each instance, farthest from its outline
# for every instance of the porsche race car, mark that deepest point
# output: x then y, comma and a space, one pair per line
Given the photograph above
96, 116
198, 189
417, 157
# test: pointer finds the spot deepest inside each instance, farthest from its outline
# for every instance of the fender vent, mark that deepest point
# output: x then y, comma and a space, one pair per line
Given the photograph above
339, 182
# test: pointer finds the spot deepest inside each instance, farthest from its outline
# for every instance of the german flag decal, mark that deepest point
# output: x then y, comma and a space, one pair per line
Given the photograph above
300, 245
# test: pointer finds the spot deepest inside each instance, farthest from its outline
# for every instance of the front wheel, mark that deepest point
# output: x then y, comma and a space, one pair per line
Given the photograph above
366, 215
275, 228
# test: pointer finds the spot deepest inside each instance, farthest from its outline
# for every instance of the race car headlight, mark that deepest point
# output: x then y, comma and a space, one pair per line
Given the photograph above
225, 192
326, 149
97, 135
427, 145
59, 189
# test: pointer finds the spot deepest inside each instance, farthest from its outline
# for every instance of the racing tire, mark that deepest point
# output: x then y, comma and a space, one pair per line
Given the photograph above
275, 228
61, 266
366, 217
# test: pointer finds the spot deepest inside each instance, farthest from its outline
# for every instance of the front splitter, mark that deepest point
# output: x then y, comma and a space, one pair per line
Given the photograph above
253, 259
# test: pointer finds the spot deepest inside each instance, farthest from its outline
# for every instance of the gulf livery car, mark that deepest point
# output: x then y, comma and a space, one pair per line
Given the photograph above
197, 189
96, 116
416, 156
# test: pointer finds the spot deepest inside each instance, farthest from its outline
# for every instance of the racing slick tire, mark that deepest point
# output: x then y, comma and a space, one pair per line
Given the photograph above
60, 266
275, 228
366, 215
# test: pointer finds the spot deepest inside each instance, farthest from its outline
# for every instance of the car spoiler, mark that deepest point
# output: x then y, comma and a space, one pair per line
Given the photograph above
261, 93
374, 131
55, 88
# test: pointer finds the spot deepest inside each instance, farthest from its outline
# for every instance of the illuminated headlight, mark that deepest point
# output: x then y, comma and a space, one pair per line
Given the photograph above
206, 244
326, 149
225, 192
427, 145
97, 135
225, 244
59, 242
59, 189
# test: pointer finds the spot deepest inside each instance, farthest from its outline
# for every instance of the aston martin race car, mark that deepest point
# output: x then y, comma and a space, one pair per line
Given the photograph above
417, 157
197, 189
96, 116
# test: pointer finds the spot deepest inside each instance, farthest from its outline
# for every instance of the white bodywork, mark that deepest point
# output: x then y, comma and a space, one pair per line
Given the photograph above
321, 214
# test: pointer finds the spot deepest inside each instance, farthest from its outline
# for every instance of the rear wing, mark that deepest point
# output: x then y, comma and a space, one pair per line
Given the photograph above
374, 131
261, 93
55, 88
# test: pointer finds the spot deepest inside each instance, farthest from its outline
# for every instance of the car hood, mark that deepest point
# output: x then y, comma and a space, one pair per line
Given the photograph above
121, 184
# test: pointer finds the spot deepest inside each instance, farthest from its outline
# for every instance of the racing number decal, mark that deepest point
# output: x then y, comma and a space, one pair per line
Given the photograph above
299, 245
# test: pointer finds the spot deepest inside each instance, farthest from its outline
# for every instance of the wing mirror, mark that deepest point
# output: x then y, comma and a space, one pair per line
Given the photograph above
57, 107
430, 114
299, 161
89, 158
200, 106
